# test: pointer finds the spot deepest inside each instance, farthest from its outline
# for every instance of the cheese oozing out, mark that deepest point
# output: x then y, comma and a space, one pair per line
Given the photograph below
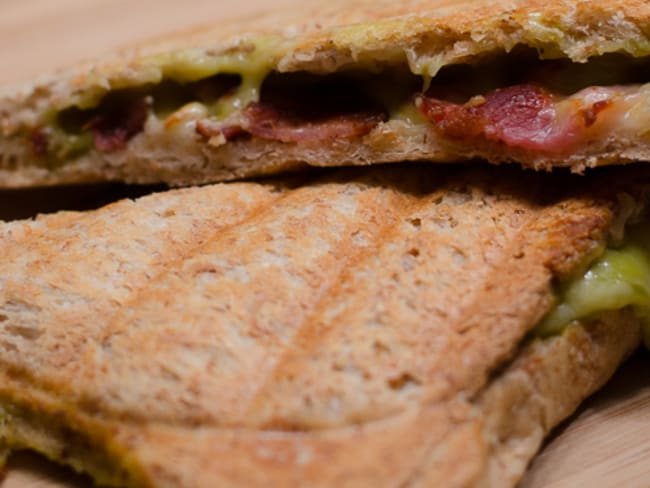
609, 94
619, 278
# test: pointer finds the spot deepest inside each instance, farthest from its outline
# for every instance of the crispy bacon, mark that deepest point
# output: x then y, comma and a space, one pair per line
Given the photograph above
40, 142
266, 122
524, 116
112, 130
301, 108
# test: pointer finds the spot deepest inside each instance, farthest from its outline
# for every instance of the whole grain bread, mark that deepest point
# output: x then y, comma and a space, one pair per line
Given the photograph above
367, 328
322, 37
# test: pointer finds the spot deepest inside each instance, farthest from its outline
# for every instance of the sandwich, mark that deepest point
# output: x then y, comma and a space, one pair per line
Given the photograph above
542, 83
387, 326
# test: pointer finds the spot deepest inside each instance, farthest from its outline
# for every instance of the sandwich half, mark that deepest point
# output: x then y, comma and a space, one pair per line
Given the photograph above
543, 83
384, 327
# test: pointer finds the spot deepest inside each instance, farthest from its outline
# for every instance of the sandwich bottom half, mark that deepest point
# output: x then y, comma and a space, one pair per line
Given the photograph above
386, 326
486, 441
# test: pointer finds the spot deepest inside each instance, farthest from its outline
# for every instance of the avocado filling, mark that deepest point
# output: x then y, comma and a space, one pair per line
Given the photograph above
236, 94
618, 278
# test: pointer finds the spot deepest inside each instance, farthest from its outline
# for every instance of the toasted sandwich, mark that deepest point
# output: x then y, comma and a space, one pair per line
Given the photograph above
390, 326
543, 83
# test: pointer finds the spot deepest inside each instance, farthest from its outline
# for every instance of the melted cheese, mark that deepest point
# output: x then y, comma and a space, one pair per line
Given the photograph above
252, 60
628, 112
618, 279
252, 64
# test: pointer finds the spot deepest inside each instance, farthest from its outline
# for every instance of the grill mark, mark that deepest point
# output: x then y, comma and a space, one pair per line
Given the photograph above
311, 339
88, 404
307, 335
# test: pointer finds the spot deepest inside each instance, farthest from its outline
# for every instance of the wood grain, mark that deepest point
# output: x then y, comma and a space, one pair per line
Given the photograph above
607, 444
38, 36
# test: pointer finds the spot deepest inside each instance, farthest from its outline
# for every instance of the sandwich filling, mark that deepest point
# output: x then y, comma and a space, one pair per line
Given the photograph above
513, 103
619, 278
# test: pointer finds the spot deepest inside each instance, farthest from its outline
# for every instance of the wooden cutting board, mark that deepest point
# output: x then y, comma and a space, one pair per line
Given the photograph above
606, 444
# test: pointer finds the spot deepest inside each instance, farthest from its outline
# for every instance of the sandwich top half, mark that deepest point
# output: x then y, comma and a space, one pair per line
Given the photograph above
542, 83
390, 326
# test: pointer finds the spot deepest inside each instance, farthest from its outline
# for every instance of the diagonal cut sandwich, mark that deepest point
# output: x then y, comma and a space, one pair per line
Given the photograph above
384, 327
544, 83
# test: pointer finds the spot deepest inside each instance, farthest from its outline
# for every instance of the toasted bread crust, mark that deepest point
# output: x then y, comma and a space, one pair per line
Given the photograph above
485, 442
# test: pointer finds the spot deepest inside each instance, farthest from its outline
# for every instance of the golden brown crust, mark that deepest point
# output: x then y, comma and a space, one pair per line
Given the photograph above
340, 331
324, 37
486, 442
540, 388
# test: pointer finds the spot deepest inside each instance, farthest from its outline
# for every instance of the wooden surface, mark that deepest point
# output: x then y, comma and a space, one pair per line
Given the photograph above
607, 444
37, 36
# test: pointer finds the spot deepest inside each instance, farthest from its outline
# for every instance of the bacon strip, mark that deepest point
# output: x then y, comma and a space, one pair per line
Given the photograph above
524, 116
40, 142
112, 130
266, 122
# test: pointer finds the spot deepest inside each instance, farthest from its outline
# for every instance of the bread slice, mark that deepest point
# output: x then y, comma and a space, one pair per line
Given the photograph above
369, 328
544, 83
